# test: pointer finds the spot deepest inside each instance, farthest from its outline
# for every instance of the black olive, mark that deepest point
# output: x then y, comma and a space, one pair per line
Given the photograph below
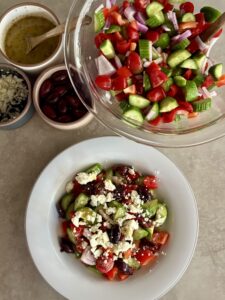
60, 210
123, 267
66, 246
114, 234
144, 193
119, 193
151, 246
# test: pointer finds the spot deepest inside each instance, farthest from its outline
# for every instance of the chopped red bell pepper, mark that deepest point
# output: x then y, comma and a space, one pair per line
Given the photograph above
111, 275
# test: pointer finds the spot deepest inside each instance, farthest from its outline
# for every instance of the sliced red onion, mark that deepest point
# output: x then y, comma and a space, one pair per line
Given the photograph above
108, 4
202, 46
107, 24
140, 18
158, 60
180, 37
87, 233
129, 13
99, 8
207, 94
104, 66
166, 28
87, 257
127, 54
141, 27
113, 2
173, 18
118, 62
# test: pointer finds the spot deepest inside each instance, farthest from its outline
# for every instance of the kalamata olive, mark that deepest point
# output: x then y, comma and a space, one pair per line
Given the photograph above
65, 119
62, 106
66, 246
45, 88
60, 90
147, 244
123, 267
114, 234
60, 210
78, 113
52, 98
118, 193
144, 193
60, 77
73, 101
49, 112
144, 223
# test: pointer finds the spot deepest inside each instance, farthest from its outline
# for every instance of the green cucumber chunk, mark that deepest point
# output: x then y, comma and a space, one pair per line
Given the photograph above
124, 105
181, 45
189, 64
191, 91
161, 215
199, 79
113, 28
156, 20
134, 113
151, 207
188, 17
150, 233
109, 173
120, 212
176, 1
133, 263
168, 72
202, 105
145, 46
96, 168
216, 71
66, 200
107, 49
99, 20
146, 82
177, 71
153, 113
167, 84
178, 57
168, 104
180, 81
155, 54
87, 215
199, 59
211, 14
81, 201
153, 8
70, 235
163, 41
69, 210
138, 101
139, 234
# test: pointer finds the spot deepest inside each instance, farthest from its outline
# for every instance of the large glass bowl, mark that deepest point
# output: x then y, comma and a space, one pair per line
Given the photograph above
80, 53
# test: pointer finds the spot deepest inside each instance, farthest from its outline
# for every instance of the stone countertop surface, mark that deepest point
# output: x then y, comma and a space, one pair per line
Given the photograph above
27, 150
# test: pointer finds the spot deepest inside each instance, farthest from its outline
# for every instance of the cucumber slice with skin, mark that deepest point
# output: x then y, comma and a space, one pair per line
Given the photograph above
153, 113
138, 101
180, 81
191, 91
199, 79
161, 215
188, 17
133, 263
150, 233
216, 71
124, 105
168, 104
156, 20
168, 72
69, 210
107, 49
211, 14
145, 46
151, 207
167, 84
176, 1
178, 57
113, 28
81, 201
163, 41
96, 168
146, 82
181, 45
199, 59
99, 20
120, 212
153, 8
134, 113
139, 234
202, 105
189, 64
70, 235
155, 54
66, 200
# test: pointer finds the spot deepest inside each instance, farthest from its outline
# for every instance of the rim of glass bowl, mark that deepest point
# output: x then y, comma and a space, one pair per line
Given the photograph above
150, 135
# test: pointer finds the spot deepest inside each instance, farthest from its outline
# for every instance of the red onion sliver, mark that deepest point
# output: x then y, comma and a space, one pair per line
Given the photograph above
202, 46
108, 4
164, 57
107, 24
140, 18
113, 2
180, 37
118, 62
127, 54
142, 28
203, 66
104, 66
87, 233
207, 94
173, 18
87, 257
129, 13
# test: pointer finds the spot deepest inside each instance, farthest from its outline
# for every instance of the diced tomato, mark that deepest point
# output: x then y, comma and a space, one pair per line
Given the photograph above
187, 25
168, 7
170, 116
126, 4
186, 106
187, 7
134, 63
156, 121
153, 68
156, 94
80, 244
221, 81
64, 227
118, 19
123, 46
104, 264
140, 5
100, 38
133, 24
122, 276
145, 256
111, 275
218, 33
79, 230
121, 97
193, 47
116, 37
200, 18
131, 90
152, 36
173, 90
160, 237
157, 78
104, 82
119, 83
132, 34
188, 74
151, 182
209, 81
108, 11
124, 71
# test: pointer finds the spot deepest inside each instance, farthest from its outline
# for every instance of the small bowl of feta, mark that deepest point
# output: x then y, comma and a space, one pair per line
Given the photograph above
15, 97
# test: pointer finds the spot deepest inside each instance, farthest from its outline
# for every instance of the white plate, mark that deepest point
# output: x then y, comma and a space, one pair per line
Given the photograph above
67, 275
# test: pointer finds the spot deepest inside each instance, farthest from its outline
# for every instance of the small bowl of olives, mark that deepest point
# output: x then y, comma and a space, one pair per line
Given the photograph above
56, 101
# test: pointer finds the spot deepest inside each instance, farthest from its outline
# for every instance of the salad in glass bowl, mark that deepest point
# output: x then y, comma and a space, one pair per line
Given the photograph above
113, 220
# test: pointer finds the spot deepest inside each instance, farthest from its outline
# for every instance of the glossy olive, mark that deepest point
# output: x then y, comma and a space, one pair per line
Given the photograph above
49, 111
62, 106
45, 88
60, 77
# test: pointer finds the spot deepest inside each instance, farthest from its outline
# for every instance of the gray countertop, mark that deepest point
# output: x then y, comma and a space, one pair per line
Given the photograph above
27, 150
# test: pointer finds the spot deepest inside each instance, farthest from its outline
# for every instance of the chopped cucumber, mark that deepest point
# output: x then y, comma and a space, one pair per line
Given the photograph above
151, 207
113, 28
161, 215
188, 17
146, 82
138, 101
153, 8
66, 200
191, 91
153, 113
155, 54
202, 105
120, 212
199, 79
167, 104
199, 59
156, 20
139, 234
150, 233
145, 48
96, 168
163, 41
168, 72
88, 215
177, 71
99, 20
180, 81
109, 174
211, 14
169, 24
124, 105
178, 57
167, 84
81, 201
69, 210
71, 235
134, 114
107, 49
114, 93
189, 64
133, 263
181, 45
216, 71
177, 1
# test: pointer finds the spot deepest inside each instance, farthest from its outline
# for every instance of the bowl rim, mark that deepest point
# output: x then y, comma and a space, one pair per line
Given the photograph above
31, 66
36, 88
29, 98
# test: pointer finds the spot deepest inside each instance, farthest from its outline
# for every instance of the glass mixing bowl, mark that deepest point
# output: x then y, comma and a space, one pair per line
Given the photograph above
80, 54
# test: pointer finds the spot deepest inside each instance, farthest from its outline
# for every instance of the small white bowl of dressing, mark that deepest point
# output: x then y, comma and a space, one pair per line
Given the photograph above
29, 19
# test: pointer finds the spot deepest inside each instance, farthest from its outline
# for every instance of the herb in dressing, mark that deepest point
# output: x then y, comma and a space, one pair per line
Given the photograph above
15, 43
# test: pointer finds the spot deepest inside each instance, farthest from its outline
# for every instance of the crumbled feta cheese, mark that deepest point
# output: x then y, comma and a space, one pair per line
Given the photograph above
69, 186
110, 210
131, 171
135, 198
97, 253
84, 244
95, 228
99, 218
109, 197
75, 220
128, 229
100, 239
109, 186
122, 246
83, 177
135, 209
98, 199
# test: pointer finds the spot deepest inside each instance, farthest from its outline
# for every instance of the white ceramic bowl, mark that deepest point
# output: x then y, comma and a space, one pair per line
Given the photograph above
64, 126
20, 11
66, 274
